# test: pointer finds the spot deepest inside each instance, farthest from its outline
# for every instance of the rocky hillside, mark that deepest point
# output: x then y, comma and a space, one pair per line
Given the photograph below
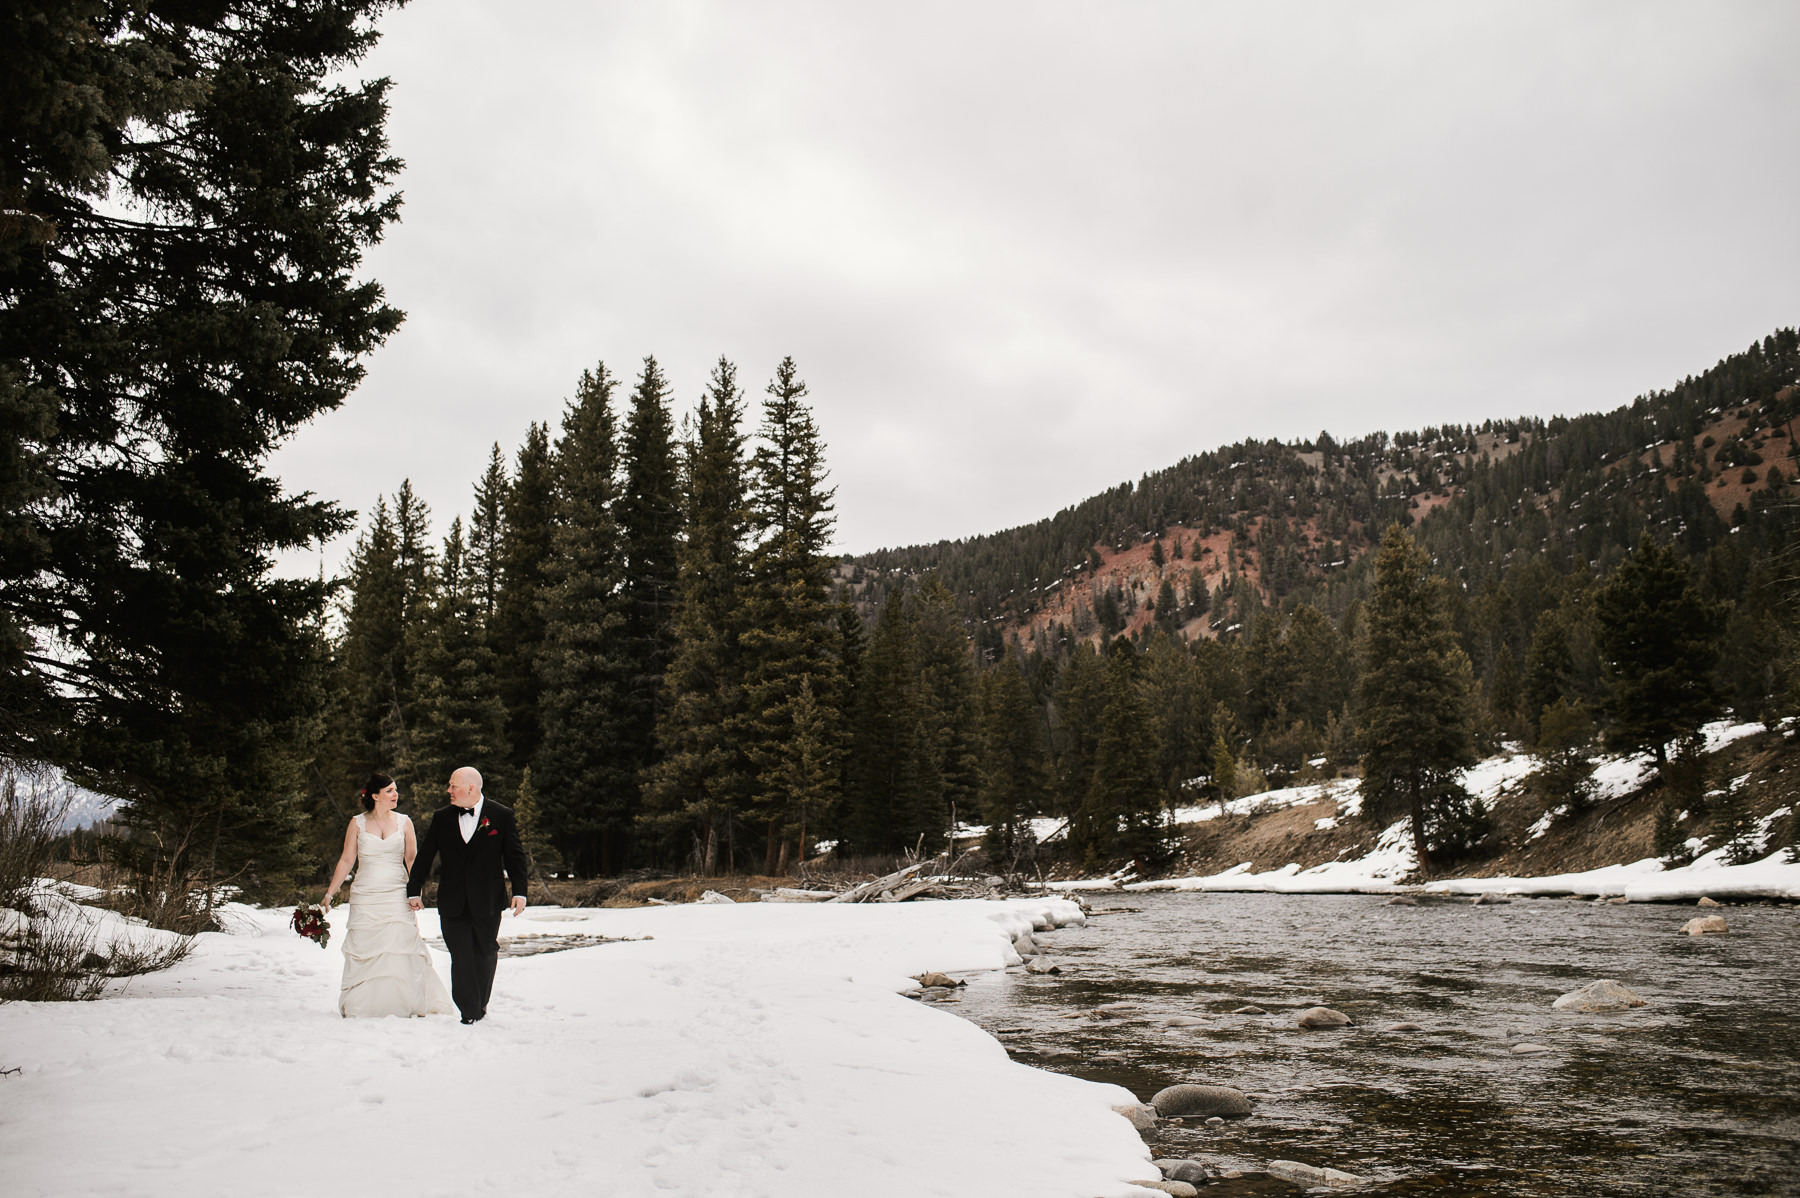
1267, 521
1750, 780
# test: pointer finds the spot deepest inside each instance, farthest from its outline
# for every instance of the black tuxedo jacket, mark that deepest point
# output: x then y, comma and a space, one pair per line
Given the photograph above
470, 881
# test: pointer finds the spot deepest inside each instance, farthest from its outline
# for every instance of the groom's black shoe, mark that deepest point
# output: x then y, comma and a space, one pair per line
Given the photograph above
467, 1019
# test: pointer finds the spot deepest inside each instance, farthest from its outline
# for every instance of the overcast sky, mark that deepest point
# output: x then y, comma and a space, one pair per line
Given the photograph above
1024, 251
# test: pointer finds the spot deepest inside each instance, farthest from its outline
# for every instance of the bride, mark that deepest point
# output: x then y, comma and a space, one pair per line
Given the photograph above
387, 970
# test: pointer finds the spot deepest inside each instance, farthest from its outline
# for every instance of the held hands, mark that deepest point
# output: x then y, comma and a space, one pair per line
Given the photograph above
415, 903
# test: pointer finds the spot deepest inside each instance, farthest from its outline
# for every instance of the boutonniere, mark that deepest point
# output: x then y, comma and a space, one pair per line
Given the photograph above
484, 827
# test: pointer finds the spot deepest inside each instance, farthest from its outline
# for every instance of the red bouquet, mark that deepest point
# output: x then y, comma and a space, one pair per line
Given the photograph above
310, 922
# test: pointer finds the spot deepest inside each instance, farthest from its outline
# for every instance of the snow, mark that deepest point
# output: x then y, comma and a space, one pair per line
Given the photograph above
1385, 868
1648, 882
747, 1049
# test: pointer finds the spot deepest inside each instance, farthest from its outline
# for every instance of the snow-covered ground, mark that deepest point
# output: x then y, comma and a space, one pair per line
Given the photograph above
749, 1049
1385, 867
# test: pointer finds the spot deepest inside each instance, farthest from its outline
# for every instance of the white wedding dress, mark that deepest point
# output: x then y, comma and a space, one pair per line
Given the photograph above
387, 969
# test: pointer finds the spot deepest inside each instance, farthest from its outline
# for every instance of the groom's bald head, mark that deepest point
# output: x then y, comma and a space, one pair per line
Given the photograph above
465, 786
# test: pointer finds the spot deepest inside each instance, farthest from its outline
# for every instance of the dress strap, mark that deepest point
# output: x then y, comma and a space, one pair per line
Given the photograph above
362, 823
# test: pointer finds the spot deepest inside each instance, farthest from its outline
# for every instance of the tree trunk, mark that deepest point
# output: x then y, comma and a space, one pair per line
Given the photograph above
1418, 829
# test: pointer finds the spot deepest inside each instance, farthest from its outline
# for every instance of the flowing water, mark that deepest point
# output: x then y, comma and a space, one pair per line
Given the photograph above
1696, 1093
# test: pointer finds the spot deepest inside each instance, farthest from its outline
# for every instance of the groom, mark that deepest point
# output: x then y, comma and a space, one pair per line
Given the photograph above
476, 839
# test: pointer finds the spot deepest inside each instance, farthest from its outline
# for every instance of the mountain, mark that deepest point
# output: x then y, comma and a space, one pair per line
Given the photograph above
1270, 525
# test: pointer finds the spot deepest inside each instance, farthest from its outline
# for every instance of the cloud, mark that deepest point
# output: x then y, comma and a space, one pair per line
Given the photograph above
1022, 252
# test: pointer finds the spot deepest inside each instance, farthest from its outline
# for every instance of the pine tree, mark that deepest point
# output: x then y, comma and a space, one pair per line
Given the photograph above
896, 794
1080, 702
1179, 704
1659, 641
1013, 783
946, 690
1198, 600
391, 570
648, 512
1224, 771
582, 773
527, 541
1417, 706
702, 781
187, 195
791, 634
808, 768
1126, 798
1503, 693
1565, 775
1168, 610
487, 530
457, 716
529, 812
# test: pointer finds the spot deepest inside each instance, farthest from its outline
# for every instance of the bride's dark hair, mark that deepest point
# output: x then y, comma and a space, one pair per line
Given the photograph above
375, 784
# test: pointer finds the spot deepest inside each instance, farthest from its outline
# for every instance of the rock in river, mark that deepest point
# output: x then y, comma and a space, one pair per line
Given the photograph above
1702, 925
1708, 902
1250, 1011
1315, 1017
1191, 1171
1141, 1114
1194, 1100
1309, 1175
1402, 1027
1603, 995
1177, 1189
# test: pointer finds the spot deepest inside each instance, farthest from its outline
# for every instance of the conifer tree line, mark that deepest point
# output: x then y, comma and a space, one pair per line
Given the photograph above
633, 635
640, 636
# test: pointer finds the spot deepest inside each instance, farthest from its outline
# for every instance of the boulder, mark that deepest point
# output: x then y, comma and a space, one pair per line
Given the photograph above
1403, 900
1528, 1050
1180, 1189
1183, 1021
1603, 995
1402, 1027
1704, 925
1025, 946
1708, 902
938, 979
1201, 1101
1249, 1011
1189, 1171
1309, 1175
1142, 1115
1317, 1017
1042, 965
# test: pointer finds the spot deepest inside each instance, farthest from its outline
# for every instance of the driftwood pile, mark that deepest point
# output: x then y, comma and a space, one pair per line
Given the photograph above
913, 882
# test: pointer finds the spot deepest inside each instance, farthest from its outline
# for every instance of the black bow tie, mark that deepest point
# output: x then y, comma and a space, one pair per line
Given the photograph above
466, 813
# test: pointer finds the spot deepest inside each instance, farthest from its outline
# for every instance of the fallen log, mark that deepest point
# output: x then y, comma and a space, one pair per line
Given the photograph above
871, 891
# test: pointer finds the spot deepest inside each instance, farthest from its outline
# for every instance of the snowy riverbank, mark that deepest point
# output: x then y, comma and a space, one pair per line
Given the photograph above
1385, 868
754, 1049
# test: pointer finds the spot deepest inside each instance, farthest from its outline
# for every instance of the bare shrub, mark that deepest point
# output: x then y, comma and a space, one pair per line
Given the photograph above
34, 801
51, 949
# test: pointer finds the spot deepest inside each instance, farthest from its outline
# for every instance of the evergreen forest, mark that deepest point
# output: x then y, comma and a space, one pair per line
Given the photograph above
640, 636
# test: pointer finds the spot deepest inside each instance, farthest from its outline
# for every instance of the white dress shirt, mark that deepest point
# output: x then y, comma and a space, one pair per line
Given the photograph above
468, 819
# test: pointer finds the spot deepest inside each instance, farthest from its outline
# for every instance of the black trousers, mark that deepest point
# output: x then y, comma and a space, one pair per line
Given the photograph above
474, 944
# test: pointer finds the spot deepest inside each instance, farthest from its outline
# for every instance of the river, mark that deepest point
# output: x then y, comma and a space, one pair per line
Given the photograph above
1697, 1093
